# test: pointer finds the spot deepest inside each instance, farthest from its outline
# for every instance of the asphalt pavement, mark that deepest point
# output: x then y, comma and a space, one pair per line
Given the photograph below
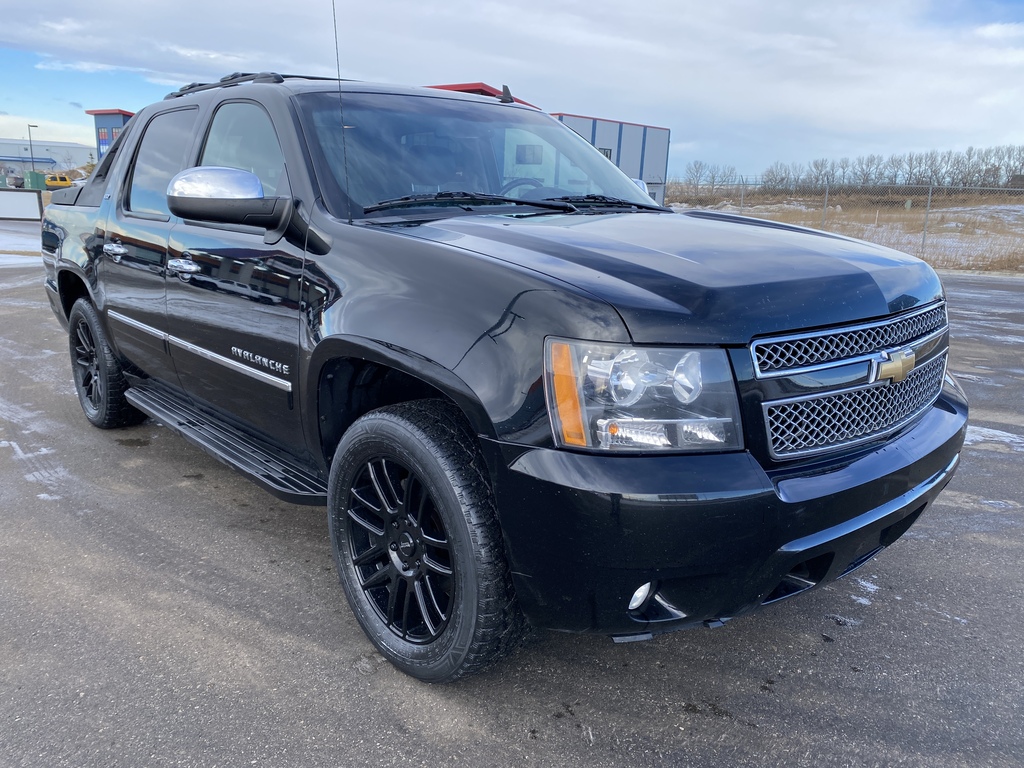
156, 609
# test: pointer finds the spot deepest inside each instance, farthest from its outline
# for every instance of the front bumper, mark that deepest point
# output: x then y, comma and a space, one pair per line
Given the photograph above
716, 535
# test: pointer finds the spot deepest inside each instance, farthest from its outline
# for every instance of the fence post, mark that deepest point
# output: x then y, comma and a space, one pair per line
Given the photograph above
743, 188
824, 208
924, 234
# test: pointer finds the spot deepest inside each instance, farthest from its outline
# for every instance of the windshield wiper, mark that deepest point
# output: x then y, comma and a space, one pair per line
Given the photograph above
606, 201
466, 199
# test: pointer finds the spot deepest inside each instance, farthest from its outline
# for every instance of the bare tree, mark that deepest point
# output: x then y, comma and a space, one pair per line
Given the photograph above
696, 173
820, 172
775, 178
894, 168
67, 161
913, 167
986, 167
719, 176
797, 171
863, 170
935, 165
843, 166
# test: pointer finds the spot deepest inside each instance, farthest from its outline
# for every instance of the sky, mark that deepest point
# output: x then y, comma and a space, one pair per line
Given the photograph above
741, 83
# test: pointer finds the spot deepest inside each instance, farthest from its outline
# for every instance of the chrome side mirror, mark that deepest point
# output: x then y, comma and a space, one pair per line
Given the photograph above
224, 196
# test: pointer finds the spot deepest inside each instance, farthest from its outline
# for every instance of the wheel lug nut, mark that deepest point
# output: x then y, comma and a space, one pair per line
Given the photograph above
405, 566
394, 547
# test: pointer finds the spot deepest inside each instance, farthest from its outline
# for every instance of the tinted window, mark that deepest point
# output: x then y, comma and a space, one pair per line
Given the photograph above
409, 145
161, 155
242, 136
94, 189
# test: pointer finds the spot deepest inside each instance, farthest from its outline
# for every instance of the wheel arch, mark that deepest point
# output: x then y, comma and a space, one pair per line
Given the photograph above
71, 286
351, 376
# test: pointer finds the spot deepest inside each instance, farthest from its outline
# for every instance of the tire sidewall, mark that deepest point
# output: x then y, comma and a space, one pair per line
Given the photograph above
396, 439
82, 312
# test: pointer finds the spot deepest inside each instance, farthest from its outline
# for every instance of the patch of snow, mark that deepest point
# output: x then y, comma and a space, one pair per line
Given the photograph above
867, 586
977, 435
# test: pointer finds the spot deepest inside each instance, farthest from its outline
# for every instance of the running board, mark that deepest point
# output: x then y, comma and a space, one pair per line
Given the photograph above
285, 479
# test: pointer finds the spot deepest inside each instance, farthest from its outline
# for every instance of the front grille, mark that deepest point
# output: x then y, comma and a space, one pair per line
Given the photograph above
823, 422
776, 356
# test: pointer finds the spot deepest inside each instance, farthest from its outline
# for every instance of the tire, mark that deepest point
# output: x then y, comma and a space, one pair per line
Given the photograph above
417, 545
99, 380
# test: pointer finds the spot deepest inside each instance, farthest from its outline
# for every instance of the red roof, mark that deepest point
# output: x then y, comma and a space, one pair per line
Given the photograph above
109, 112
480, 89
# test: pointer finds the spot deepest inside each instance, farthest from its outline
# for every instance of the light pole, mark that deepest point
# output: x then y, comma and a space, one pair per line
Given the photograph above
31, 151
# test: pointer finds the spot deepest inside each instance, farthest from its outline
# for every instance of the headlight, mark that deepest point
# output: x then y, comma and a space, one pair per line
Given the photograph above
611, 397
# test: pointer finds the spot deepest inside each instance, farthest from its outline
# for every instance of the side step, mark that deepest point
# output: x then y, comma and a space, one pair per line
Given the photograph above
281, 477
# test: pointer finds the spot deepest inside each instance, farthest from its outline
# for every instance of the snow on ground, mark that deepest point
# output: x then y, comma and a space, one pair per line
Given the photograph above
18, 237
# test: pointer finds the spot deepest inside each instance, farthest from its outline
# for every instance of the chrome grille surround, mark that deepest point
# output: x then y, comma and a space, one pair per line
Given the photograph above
797, 353
822, 422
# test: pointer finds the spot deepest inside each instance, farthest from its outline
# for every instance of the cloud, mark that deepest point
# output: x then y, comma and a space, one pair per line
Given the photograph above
14, 126
75, 66
1001, 31
747, 81
75, 105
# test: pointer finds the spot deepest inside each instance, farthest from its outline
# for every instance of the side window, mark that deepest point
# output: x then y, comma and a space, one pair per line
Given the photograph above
95, 188
161, 155
242, 136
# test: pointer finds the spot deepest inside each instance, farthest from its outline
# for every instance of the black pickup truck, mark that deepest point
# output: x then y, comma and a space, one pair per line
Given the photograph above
526, 394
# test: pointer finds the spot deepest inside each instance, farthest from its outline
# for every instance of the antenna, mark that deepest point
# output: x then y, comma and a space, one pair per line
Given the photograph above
506, 95
341, 109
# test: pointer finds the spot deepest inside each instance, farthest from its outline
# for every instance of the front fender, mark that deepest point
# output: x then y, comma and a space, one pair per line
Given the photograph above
432, 374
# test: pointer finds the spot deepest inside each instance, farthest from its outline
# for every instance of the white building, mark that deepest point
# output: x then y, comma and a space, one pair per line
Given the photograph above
640, 151
48, 156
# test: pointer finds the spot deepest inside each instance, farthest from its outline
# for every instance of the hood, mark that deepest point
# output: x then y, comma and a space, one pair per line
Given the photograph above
702, 277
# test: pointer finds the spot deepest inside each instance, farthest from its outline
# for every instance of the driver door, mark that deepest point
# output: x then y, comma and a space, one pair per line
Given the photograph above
233, 300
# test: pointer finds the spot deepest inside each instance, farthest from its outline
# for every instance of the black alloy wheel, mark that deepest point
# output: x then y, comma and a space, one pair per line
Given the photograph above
99, 380
87, 365
417, 545
400, 550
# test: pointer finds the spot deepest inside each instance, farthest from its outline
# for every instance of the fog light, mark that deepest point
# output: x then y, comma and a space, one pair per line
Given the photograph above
640, 596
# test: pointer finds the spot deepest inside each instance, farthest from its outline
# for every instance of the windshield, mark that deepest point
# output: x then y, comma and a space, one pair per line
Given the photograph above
402, 145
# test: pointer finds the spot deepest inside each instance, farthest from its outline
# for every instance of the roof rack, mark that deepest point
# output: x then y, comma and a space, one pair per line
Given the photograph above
240, 77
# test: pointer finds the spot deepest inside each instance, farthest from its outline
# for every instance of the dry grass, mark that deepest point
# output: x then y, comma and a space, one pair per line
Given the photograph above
969, 231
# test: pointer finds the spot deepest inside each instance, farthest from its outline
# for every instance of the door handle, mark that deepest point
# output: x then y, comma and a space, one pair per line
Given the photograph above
184, 266
115, 251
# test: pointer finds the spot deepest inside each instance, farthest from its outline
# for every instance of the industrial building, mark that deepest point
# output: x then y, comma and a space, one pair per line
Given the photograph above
108, 124
640, 151
20, 155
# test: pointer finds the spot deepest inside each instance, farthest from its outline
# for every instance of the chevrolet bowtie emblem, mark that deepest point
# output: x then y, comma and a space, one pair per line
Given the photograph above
896, 365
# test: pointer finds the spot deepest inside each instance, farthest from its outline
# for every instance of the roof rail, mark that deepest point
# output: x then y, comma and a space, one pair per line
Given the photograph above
232, 79
239, 77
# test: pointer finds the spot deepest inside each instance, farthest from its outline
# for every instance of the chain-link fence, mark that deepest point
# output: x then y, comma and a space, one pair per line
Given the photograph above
949, 227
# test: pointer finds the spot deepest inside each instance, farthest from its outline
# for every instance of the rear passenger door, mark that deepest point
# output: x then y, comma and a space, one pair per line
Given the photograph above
233, 311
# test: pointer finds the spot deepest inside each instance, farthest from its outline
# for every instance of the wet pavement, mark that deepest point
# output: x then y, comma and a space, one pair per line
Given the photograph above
157, 609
